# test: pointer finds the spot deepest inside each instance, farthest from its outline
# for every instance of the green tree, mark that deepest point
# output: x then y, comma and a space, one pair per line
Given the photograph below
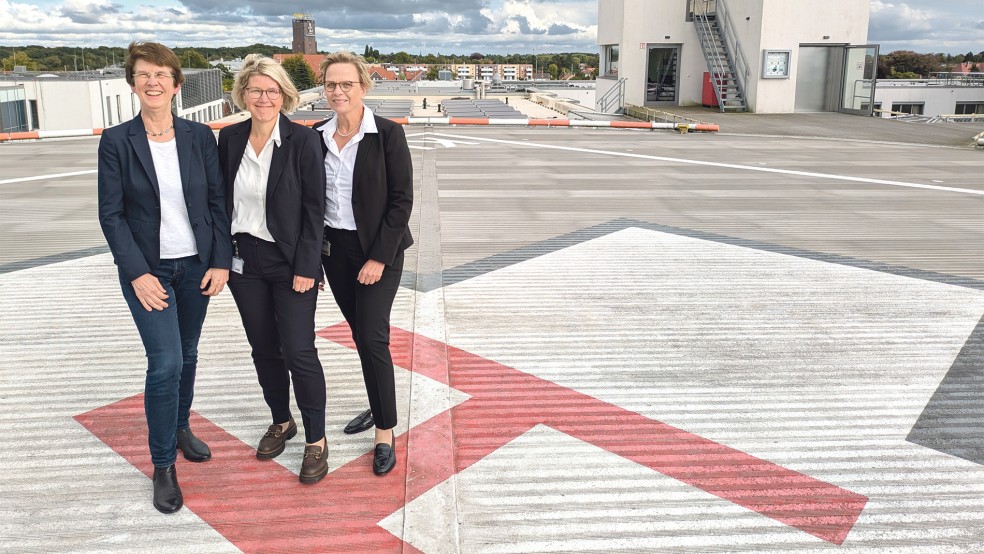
402, 57
553, 70
432, 73
193, 59
906, 61
19, 58
300, 72
228, 79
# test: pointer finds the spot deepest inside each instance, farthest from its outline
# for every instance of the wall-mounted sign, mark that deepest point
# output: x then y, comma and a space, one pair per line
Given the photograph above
775, 64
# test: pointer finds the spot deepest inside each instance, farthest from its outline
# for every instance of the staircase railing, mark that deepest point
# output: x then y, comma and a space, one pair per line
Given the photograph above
706, 13
614, 97
734, 44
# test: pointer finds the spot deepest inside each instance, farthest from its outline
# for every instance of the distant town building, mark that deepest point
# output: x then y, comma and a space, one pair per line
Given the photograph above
61, 101
304, 41
235, 65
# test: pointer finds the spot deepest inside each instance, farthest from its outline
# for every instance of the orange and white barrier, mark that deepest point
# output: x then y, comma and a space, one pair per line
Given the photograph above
682, 127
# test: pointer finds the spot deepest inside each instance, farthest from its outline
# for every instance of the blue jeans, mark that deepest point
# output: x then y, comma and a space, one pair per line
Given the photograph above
170, 339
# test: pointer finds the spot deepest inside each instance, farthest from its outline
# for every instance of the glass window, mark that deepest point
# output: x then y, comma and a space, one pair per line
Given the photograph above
914, 108
609, 54
969, 108
35, 120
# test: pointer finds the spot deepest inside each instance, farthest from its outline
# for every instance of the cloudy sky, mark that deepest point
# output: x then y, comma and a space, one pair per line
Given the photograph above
416, 26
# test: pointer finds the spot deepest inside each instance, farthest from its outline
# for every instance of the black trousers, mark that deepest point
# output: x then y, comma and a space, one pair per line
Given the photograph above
279, 325
367, 310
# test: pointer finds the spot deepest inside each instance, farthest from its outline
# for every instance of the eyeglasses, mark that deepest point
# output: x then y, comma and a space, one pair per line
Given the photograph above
257, 93
344, 85
160, 75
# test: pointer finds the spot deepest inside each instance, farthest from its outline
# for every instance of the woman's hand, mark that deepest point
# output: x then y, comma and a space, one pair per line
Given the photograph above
215, 279
302, 284
371, 273
149, 292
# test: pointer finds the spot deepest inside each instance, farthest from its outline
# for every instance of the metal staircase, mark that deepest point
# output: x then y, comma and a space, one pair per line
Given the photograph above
722, 51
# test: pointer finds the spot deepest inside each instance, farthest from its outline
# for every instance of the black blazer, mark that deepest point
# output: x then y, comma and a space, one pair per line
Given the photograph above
129, 196
382, 190
295, 201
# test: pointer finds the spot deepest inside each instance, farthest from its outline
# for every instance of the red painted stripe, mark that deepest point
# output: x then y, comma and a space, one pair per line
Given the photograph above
549, 122
517, 401
468, 120
258, 505
25, 135
244, 498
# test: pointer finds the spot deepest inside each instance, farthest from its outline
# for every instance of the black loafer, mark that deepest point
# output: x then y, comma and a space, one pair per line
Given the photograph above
385, 457
362, 422
167, 493
192, 447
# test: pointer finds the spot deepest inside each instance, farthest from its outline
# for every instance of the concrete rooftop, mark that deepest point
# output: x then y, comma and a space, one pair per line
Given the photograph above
607, 341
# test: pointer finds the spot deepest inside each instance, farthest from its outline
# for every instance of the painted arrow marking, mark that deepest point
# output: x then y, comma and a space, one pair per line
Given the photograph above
243, 498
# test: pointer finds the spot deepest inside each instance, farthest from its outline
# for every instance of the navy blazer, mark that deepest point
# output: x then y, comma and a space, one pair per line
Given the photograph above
382, 190
295, 193
129, 196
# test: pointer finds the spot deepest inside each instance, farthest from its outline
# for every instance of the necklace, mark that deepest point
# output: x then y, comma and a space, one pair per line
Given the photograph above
341, 134
162, 133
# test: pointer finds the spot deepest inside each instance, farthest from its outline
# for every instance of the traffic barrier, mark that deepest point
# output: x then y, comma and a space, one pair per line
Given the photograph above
479, 121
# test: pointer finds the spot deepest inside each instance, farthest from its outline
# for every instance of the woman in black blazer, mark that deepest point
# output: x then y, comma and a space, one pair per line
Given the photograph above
162, 209
276, 200
369, 197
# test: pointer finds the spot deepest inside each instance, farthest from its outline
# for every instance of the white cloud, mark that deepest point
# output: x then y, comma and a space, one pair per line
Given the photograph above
447, 26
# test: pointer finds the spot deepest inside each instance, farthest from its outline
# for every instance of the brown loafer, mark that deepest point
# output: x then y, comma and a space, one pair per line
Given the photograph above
275, 440
315, 466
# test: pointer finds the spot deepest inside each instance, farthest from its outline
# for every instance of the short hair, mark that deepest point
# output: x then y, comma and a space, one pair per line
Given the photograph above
155, 53
258, 64
344, 56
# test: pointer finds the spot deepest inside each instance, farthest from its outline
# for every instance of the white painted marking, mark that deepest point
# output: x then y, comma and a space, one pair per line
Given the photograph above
727, 165
411, 145
43, 177
450, 143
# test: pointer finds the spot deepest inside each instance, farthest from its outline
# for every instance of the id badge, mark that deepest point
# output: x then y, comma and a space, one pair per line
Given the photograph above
326, 248
237, 265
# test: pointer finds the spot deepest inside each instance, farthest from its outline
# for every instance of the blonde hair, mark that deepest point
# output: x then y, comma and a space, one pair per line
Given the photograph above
258, 64
344, 56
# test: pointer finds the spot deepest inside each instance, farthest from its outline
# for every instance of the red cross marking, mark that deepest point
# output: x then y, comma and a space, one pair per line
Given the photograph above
259, 505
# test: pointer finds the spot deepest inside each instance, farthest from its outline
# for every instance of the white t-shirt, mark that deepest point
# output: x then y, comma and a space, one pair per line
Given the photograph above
177, 239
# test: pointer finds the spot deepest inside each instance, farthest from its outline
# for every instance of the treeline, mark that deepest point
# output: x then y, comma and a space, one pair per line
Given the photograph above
68, 58
540, 60
905, 64
71, 58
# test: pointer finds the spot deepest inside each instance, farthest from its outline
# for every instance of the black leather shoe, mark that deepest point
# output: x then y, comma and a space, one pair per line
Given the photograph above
385, 457
362, 422
167, 493
275, 440
192, 447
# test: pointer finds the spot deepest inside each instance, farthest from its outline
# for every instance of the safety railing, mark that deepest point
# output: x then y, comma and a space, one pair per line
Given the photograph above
615, 97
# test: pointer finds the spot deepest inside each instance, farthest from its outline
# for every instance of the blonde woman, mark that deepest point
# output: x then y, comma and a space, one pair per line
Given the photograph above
369, 198
275, 185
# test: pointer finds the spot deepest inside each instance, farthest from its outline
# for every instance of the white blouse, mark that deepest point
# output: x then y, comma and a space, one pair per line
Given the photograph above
250, 189
340, 172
